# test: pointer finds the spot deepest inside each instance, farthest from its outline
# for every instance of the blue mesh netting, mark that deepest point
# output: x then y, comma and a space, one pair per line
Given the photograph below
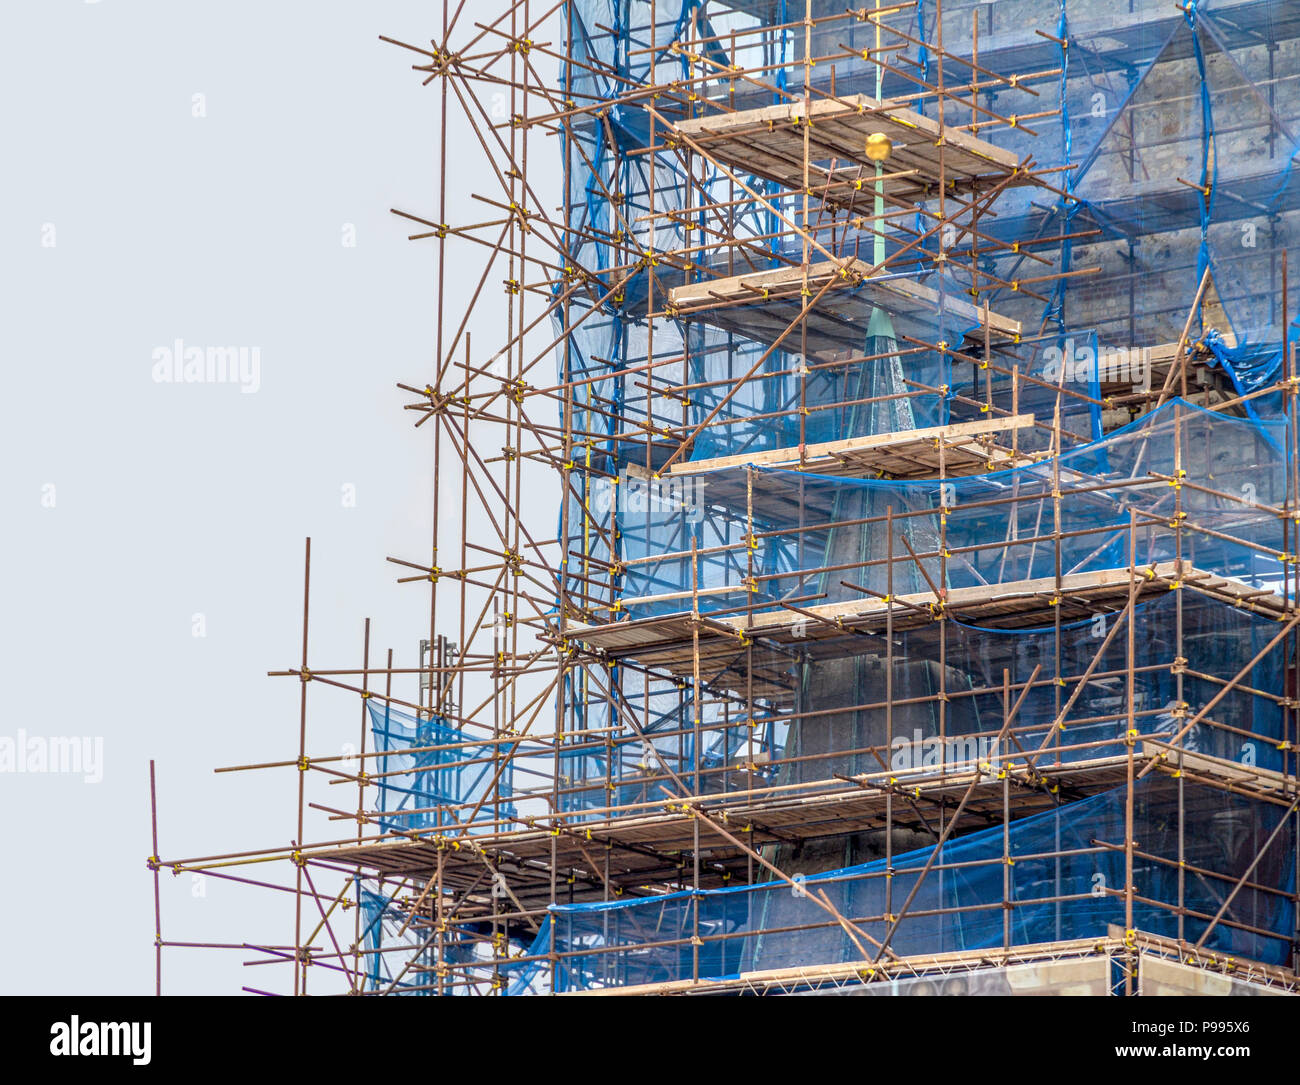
993, 527
837, 723
381, 920
1172, 135
1065, 880
431, 775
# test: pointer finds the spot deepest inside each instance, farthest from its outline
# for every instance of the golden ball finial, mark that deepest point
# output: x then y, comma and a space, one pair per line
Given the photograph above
879, 146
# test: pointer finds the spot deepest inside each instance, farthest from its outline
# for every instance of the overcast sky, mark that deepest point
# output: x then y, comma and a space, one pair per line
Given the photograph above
194, 171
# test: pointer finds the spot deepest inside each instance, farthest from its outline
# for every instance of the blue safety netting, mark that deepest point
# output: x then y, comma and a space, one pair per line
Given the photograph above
837, 724
762, 535
1171, 135
1053, 876
394, 955
433, 775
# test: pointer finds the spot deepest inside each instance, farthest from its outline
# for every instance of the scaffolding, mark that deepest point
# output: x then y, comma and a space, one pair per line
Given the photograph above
920, 614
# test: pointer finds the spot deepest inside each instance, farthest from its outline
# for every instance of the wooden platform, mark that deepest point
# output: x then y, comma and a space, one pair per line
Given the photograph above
965, 448
1125, 394
835, 629
898, 295
769, 142
652, 844
1264, 784
761, 305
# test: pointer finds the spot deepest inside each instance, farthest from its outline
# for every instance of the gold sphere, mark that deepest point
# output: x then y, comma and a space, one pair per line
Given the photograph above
879, 146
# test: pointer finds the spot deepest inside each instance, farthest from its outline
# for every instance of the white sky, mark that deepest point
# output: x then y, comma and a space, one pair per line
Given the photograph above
172, 500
